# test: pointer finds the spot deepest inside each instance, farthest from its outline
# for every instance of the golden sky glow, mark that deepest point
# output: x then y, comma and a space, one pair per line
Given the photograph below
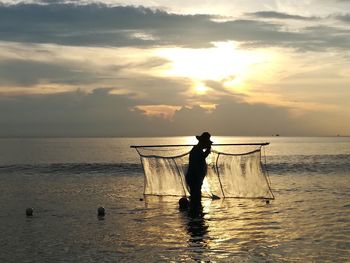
224, 62
285, 60
164, 111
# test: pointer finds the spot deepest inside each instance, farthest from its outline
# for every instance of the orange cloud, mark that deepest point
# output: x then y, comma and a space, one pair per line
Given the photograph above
163, 111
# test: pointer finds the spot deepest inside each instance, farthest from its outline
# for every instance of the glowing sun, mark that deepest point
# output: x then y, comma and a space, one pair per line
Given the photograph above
224, 63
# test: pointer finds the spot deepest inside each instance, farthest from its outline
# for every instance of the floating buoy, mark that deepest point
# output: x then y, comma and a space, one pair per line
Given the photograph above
29, 211
183, 203
101, 211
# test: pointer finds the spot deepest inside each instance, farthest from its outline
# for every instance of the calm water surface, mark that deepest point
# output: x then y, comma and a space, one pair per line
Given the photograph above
66, 180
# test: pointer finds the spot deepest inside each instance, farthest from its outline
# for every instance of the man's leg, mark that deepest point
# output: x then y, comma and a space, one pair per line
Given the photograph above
196, 194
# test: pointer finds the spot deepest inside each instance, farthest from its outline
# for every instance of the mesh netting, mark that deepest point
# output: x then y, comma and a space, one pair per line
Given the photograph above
232, 172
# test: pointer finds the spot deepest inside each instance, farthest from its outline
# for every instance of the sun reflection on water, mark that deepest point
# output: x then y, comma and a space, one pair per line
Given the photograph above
226, 228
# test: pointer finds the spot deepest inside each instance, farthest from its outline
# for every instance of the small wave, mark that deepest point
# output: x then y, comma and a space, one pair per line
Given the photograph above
296, 164
74, 168
320, 164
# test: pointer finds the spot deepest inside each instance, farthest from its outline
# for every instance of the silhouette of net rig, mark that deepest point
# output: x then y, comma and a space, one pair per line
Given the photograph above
233, 170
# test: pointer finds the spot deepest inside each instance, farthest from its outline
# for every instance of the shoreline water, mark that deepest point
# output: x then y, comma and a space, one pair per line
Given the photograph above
66, 180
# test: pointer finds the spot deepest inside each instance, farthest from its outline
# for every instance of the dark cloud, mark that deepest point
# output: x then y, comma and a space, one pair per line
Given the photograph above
333, 37
241, 119
102, 25
218, 87
103, 114
279, 15
71, 24
152, 89
74, 114
344, 18
157, 90
27, 73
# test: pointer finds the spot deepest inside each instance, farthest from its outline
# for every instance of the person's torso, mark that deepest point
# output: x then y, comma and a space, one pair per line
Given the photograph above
197, 164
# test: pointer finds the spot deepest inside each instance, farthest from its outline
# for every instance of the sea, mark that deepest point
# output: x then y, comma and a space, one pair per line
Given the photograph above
65, 181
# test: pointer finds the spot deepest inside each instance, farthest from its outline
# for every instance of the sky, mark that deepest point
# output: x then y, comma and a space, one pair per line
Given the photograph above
168, 68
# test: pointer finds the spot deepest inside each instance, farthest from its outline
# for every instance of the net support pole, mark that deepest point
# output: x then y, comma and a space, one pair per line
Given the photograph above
188, 145
143, 168
218, 173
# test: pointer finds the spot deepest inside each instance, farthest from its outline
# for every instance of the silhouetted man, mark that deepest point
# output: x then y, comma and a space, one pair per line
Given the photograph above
197, 168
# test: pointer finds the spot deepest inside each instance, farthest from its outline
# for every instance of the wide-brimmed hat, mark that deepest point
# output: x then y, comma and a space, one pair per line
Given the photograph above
204, 137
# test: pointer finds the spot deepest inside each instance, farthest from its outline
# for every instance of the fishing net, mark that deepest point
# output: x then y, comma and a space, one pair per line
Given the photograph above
236, 172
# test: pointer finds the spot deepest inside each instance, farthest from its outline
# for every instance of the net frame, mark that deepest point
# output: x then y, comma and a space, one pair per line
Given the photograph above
259, 148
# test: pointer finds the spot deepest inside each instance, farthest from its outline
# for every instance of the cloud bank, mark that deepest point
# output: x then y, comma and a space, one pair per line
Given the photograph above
121, 26
99, 112
90, 71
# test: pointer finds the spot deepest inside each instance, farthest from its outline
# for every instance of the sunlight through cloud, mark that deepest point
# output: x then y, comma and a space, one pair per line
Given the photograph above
224, 62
